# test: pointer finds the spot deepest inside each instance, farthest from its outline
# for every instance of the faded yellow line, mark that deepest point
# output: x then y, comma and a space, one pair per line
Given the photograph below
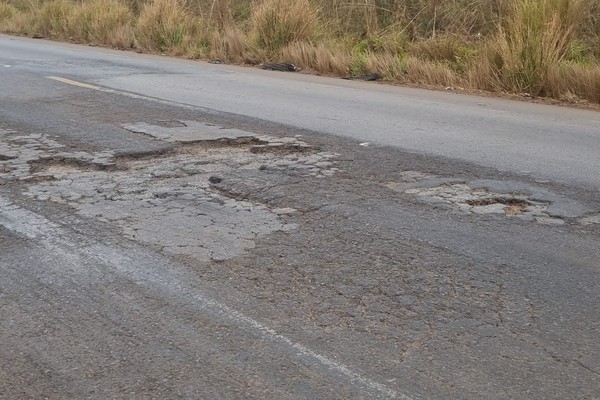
120, 92
128, 94
76, 83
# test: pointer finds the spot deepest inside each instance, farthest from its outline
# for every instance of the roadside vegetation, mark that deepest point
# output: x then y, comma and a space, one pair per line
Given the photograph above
547, 48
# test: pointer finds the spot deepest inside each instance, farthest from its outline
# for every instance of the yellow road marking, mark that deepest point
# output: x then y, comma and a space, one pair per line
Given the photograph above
75, 83
127, 94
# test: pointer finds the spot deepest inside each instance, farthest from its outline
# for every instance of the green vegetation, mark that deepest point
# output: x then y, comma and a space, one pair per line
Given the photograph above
541, 47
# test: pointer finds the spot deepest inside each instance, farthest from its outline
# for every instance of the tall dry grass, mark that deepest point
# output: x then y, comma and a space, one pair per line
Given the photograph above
542, 47
7, 12
49, 18
535, 37
320, 57
106, 22
228, 44
167, 26
278, 23
573, 81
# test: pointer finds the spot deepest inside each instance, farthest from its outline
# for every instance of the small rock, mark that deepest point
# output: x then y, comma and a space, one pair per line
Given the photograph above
215, 180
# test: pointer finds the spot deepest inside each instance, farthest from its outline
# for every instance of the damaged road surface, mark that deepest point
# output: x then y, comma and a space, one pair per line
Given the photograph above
159, 249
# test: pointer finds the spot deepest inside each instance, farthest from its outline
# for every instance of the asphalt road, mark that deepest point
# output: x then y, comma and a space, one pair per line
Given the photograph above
176, 229
550, 142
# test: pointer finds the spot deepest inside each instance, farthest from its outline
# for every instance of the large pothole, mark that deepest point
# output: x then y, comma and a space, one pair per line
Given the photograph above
169, 200
186, 132
510, 199
33, 157
483, 201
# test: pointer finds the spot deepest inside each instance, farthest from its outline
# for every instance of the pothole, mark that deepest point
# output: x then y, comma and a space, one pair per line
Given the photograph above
171, 199
510, 206
511, 199
482, 201
167, 203
69, 163
242, 149
170, 123
193, 132
30, 157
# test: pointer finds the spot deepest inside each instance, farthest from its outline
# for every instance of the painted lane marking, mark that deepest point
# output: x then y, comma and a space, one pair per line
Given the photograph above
55, 238
131, 95
75, 83
303, 352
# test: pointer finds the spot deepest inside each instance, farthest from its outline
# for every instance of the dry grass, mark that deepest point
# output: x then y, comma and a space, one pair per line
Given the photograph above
106, 22
7, 12
320, 57
9, 18
545, 48
428, 73
49, 18
278, 23
536, 36
220, 12
167, 26
228, 44
573, 82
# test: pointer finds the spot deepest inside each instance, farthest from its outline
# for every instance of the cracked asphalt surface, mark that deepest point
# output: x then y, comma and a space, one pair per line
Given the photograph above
158, 250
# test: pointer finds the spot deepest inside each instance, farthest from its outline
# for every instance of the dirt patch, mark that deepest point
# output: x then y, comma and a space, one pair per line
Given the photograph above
513, 206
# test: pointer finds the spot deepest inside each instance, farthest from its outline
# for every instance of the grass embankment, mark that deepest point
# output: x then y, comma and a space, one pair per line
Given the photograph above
541, 47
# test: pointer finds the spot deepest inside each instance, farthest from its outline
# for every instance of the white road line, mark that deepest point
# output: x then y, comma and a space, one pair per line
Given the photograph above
55, 238
236, 317
23, 222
